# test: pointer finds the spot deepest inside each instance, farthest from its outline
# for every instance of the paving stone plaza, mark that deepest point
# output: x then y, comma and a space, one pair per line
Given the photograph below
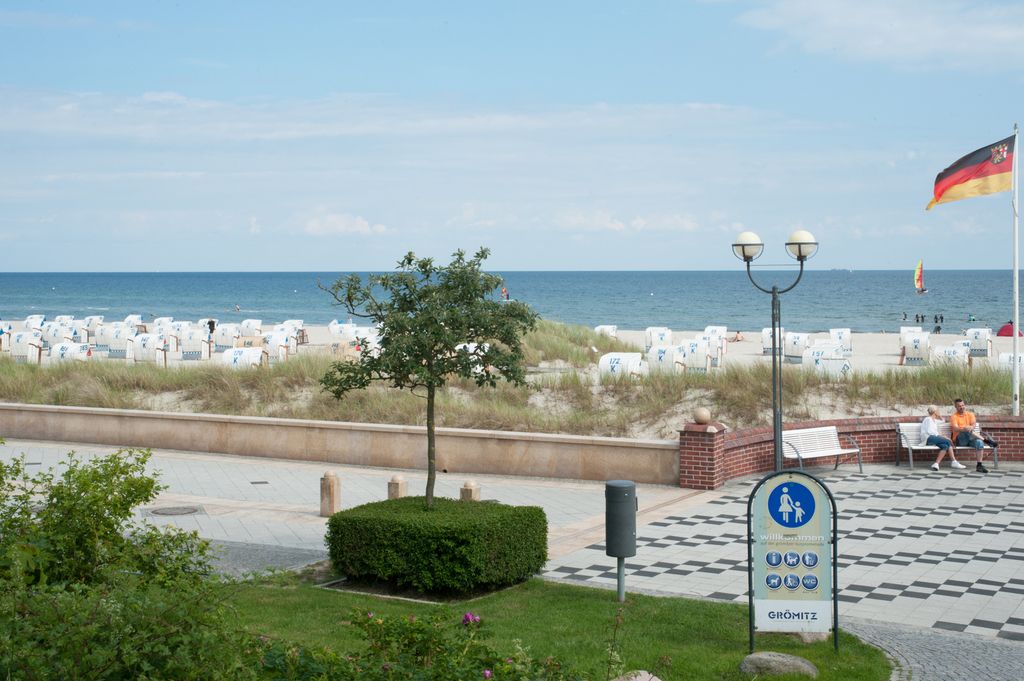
931, 565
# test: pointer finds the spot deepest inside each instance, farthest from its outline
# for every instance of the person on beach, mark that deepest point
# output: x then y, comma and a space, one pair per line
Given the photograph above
212, 324
904, 316
737, 338
930, 436
961, 427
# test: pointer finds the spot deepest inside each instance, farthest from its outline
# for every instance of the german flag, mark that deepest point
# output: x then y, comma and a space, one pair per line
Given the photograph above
985, 171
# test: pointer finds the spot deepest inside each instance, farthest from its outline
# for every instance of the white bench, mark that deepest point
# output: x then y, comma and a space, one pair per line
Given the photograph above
813, 443
908, 436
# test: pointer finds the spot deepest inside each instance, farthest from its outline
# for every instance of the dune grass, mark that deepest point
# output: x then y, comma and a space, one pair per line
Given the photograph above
571, 398
675, 637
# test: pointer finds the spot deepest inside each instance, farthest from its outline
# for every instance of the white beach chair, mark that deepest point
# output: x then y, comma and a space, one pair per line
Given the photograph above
204, 323
610, 330
54, 333
33, 322
904, 330
794, 346
163, 321
343, 330
948, 354
916, 348
133, 320
6, 331
1005, 360
828, 359
91, 322
721, 332
630, 364
300, 330
280, 345
27, 347
697, 357
106, 333
843, 338
69, 352
766, 340
981, 342
122, 345
224, 337
716, 348
657, 335
244, 358
64, 319
195, 345
151, 348
251, 327
666, 359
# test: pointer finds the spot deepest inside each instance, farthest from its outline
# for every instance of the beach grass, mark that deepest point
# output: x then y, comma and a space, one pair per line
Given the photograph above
674, 637
564, 393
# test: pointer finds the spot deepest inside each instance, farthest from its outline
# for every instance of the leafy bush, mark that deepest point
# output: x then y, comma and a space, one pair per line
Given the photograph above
456, 547
86, 593
428, 649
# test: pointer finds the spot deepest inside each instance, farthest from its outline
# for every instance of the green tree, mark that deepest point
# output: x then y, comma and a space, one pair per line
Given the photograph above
434, 322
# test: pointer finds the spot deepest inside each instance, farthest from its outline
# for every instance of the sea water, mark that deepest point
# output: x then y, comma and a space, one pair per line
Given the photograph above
864, 300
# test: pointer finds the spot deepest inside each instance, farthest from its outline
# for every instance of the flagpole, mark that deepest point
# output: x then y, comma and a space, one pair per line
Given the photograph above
1016, 280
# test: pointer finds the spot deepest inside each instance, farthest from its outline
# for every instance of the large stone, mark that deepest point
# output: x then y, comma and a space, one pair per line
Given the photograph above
775, 664
638, 676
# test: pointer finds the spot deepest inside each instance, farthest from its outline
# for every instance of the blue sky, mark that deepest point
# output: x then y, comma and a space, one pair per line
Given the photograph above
573, 135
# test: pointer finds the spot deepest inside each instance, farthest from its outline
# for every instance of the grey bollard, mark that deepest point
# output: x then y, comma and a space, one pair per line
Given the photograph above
397, 487
620, 518
470, 491
330, 495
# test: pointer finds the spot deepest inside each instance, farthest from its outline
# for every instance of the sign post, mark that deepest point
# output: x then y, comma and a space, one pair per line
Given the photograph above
792, 545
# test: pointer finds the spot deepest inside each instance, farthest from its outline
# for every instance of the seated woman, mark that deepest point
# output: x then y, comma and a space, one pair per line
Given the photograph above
930, 436
737, 338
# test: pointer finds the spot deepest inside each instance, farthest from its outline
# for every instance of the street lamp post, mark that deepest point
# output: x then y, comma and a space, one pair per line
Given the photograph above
748, 247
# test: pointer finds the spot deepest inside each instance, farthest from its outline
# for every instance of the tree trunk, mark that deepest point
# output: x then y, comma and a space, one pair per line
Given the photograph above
431, 449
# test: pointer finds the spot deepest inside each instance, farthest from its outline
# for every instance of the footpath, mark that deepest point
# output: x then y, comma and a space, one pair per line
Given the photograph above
931, 564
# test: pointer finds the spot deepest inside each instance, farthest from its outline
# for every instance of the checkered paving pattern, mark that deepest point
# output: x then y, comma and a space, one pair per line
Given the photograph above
942, 550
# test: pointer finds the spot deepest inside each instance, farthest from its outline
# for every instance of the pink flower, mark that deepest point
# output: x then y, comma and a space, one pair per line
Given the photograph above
488, 674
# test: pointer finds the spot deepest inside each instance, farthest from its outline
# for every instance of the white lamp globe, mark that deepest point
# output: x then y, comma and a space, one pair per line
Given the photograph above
748, 246
801, 244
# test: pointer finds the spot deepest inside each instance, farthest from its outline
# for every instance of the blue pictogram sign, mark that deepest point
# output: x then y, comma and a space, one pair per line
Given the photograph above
810, 582
791, 505
773, 558
810, 559
773, 581
791, 559
791, 581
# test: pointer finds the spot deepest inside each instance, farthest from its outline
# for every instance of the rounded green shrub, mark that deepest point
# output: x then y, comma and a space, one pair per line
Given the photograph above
455, 547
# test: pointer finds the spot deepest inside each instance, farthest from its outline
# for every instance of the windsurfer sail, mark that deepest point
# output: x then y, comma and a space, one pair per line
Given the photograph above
919, 278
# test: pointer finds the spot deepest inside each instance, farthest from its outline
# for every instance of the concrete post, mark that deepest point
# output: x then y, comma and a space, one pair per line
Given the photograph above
397, 487
469, 492
330, 495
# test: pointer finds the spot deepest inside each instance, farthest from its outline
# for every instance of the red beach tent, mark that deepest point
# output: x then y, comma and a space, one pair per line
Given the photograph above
1007, 330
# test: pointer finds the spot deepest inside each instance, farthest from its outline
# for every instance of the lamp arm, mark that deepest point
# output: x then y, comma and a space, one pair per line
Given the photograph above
798, 277
750, 275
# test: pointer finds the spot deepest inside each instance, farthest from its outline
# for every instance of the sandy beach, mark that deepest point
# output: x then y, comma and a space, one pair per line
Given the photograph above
871, 351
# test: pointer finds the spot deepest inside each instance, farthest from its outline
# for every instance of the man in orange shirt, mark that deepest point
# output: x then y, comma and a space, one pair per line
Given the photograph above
961, 426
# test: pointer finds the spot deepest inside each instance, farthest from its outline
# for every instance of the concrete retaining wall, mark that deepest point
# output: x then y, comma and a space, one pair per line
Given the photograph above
458, 450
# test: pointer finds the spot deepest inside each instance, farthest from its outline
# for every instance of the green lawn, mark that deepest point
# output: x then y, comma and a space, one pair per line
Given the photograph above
701, 640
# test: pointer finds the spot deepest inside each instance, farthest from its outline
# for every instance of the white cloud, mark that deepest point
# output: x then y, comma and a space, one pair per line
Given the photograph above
332, 224
603, 220
915, 33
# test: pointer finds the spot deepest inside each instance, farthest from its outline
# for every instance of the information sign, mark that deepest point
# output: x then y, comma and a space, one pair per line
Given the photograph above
791, 554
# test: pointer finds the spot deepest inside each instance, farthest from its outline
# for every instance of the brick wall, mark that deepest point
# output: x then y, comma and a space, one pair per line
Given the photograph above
711, 454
